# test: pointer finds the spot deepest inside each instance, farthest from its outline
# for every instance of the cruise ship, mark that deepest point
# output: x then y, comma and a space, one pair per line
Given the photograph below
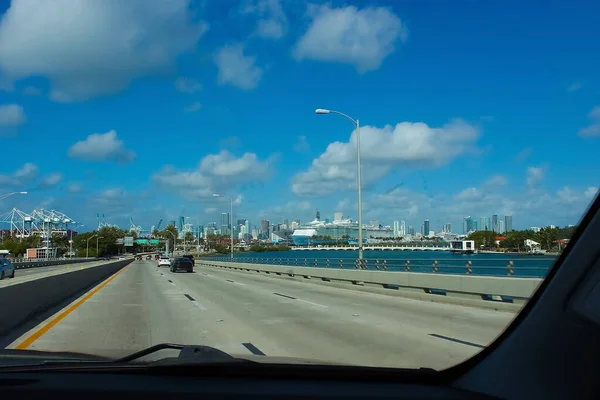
313, 233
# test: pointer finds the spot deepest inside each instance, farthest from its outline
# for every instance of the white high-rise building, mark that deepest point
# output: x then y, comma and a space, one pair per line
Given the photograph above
396, 229
501, 226
338, 216
402, 228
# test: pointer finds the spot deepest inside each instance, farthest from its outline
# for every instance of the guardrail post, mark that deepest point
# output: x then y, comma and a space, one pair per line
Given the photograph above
327, 263
385, 265
365, 264
469, 268
356, 264
296, 261
435, 267
407, 266
341, 264
305, 262
511, 268
377, 265
316, 263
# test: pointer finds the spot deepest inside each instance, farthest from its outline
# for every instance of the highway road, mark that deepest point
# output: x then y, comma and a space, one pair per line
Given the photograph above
241, 313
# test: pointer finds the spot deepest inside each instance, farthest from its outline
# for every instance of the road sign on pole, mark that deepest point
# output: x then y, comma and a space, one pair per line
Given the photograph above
128, 241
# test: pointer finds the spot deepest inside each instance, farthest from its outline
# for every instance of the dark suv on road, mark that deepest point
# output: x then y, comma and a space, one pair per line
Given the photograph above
182, 263
191, 258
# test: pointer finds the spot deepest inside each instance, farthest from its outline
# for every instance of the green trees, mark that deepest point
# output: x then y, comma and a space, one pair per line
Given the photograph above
18, 247
514, 241
189, 237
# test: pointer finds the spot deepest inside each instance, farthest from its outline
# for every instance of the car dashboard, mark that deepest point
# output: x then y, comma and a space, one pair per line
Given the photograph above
74, 385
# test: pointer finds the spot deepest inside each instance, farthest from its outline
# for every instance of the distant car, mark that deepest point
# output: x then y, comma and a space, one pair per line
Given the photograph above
164, 261
148, 257
191, 258
7, 268
182, 263
121, 258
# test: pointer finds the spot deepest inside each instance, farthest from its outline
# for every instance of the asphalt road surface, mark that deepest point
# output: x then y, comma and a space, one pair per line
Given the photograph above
241, 313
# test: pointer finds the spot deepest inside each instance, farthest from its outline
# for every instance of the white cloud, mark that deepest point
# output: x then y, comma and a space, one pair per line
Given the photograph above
593, 129
24, 174
31, 91
11, 115
194, 107
523, 154
595, 113
359, 37
383, 149
187, 85
590, 131
272, 22
236, 69
93, 48
497, 181
114, 203
535, 175
291, 210
215, 173
52, 179
591, 192
561, 207
574, 87
301, 146
101, 147
210, 210
75, 188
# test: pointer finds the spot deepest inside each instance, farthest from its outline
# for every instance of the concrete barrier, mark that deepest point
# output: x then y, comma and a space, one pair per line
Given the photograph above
23, 301
48, 263
494, 289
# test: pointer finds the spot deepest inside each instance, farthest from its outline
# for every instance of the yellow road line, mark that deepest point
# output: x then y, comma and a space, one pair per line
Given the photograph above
37, 334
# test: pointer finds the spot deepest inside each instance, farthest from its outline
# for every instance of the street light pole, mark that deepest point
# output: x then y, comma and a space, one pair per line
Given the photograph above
358, 175
2, 197
98, 238
172, 234
87, 246
230, 217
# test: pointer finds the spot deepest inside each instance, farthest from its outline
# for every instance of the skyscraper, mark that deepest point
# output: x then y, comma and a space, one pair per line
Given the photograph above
224, 223
508, 223
402, 228
396, 229
484, 224
337, 216
469, 224
426, 227
500, 226
495, 223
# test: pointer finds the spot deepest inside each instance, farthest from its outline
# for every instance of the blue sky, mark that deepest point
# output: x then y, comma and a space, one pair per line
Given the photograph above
145, 108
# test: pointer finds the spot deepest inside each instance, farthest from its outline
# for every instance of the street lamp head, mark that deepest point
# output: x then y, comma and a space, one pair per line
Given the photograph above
22, 192
216, 195
322, 111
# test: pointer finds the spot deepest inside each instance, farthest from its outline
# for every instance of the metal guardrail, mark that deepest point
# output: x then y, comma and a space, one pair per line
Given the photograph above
49, 262
495, 267
506, 289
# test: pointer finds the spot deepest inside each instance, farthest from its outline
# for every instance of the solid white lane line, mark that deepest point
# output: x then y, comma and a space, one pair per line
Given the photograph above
314, 304
200, 306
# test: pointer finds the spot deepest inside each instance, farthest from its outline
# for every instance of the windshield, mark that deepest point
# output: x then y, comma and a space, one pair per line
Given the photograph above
373, 182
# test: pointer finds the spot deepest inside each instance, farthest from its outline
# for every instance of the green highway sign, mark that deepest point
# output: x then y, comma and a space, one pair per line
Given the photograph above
154, 241
142, 241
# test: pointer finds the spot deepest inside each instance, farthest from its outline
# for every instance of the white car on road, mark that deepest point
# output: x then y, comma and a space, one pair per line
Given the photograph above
164, 261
